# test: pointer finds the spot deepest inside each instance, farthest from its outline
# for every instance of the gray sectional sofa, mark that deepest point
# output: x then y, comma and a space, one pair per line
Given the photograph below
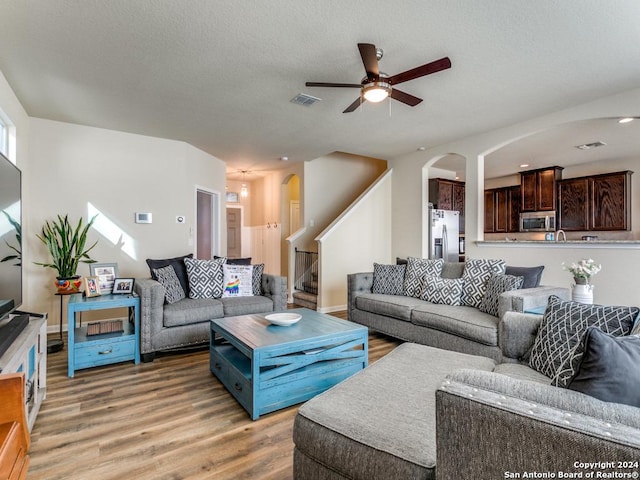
427, 413
185, 323
459, 328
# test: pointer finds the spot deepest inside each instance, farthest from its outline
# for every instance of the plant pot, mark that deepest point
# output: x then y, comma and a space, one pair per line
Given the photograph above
67, 286
582, 293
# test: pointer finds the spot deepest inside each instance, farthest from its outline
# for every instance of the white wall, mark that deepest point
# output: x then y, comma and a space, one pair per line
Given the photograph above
613, 284
357, 239
331, 183
76, 169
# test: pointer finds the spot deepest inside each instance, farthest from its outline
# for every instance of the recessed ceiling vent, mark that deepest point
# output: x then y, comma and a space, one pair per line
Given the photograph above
304, 99
589, 146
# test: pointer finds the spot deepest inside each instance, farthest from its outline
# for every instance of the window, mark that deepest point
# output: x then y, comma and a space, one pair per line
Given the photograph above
4, 133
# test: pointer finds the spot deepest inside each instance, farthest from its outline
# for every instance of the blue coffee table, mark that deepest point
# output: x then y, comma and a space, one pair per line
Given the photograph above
268, 367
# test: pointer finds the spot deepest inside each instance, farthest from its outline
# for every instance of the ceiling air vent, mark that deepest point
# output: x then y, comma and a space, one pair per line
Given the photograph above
304, 99
589, 146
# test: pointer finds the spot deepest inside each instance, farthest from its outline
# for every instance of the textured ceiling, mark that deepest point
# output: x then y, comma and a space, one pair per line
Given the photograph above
220, 74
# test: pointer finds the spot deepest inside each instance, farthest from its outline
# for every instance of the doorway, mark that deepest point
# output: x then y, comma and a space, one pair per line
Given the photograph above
234, 232
208, 223
294, 216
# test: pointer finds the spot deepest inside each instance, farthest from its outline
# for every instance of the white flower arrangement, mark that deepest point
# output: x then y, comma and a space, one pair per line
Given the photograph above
583, 269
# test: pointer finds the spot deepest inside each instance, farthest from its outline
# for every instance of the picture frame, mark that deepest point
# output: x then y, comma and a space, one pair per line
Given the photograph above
91, 287
122, 286
232, 197
106, 273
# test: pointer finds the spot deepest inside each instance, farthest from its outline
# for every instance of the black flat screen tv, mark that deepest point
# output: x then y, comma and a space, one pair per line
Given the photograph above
10, 237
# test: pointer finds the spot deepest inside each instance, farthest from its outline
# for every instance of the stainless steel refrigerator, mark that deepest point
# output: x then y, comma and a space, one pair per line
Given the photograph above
444, 234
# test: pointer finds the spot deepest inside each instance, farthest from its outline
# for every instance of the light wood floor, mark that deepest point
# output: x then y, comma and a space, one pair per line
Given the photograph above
170, 419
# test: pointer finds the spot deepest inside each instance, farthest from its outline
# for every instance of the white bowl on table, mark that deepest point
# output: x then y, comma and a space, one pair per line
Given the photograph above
283, 319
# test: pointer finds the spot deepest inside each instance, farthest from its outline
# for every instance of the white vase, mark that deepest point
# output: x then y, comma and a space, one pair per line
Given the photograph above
582, 293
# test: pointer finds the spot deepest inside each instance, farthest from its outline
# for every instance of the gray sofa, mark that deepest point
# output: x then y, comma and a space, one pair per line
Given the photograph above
186, 322
458, 328
489, 420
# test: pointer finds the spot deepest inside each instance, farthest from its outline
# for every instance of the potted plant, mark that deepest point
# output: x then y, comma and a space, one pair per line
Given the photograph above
66, 246
582, 272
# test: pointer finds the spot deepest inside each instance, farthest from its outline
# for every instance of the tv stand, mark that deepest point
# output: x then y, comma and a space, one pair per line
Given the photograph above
28, 354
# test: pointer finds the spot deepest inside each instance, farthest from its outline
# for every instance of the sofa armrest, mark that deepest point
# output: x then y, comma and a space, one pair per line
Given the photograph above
529, 298
499, 424
357, 283
275, 287
516, 334
151, 295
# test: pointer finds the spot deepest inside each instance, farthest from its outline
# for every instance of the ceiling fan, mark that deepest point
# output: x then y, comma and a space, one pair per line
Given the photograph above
377, 85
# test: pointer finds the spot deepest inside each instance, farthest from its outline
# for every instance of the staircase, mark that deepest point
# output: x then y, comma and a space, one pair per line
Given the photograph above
305, 286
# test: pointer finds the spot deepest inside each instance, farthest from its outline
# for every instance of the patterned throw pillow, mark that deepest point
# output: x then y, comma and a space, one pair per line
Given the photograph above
258, 270
417, 268
496, 286
562, 328
447, 291
178, 265
167, 277
388, 279
476, 274
238, 280
205, 277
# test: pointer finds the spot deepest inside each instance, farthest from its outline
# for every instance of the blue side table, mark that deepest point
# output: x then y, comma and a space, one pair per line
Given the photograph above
103, 349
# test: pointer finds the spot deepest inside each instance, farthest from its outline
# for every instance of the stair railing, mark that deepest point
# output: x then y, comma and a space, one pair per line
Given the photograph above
306, 271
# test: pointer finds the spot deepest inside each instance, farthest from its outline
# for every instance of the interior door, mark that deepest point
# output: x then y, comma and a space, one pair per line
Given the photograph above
207, 227
234, 232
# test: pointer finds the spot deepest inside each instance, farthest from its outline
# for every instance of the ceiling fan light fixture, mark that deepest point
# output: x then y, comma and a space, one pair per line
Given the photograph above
376, 92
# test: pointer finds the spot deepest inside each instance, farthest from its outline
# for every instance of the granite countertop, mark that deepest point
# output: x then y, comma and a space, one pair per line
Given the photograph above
568, 243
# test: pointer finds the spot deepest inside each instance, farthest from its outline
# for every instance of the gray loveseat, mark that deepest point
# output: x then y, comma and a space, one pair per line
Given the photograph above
186, 322
488, 420
459, 328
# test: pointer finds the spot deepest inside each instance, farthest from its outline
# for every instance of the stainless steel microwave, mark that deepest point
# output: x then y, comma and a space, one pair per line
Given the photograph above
538, 221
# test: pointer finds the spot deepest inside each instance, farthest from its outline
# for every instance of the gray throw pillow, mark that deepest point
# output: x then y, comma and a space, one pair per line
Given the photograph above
477, 272
608, 368
532, 275
446, 291
417, 269
167, 277
388, 279
206, 278
497, 285
563, 325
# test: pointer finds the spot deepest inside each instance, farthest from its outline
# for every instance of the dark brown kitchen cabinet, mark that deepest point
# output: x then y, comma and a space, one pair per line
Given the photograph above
610, 201
489, 211
447, 194
513, 209
538, 189
502, 210
573, 199
598, 202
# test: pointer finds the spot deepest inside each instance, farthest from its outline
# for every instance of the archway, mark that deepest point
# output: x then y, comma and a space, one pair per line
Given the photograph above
291, 215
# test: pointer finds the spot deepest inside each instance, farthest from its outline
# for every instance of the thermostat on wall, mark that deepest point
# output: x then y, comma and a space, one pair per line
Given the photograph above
143, 218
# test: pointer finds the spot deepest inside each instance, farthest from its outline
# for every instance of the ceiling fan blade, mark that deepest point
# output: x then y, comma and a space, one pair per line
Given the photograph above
369, 59
405, 97
421, 71
354, 106
324, 84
